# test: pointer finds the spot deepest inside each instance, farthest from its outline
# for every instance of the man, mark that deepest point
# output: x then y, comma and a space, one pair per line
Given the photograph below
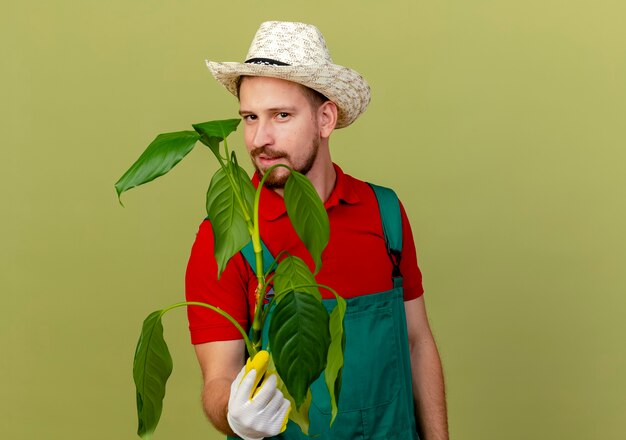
291, 99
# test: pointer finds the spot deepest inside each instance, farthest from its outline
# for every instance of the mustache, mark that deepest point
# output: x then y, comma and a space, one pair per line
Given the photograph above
270, 154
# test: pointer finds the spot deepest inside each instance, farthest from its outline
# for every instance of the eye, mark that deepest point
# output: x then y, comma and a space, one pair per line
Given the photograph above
282, 115
248, 118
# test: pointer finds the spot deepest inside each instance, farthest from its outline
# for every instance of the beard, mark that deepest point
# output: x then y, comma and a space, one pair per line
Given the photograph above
277, 179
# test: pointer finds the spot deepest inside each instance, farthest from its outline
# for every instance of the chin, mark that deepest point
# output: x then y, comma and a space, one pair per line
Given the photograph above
277, 179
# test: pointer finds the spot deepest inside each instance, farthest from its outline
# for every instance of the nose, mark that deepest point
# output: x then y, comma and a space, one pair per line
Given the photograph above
262, 134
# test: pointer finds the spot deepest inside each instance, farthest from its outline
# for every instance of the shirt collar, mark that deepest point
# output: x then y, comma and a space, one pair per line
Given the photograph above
273, 205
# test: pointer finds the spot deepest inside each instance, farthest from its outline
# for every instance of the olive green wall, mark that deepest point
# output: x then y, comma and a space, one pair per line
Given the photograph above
500, 124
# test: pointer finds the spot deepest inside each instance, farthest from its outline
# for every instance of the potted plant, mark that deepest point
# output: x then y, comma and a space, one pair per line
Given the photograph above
295, 310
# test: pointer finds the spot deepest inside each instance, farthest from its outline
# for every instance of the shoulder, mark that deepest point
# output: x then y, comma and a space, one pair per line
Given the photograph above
356, 189
363, 188
202, 258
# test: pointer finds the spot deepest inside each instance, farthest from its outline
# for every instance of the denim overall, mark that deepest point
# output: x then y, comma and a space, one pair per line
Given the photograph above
376, 399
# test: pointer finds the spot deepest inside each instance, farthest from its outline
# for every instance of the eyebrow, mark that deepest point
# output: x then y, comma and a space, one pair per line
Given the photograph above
288, 109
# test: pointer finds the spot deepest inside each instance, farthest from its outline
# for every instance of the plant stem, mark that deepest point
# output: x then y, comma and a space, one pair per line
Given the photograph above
251, 350
274, 264
225, 146
325, 287
257, 323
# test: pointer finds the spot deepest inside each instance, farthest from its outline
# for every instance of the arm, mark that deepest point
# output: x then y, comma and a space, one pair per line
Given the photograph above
220, 363
227, 400
241, 401
428, 386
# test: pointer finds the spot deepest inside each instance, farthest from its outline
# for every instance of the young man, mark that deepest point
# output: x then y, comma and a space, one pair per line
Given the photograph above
291, 99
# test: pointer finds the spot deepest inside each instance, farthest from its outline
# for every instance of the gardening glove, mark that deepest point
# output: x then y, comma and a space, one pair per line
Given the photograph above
257, 410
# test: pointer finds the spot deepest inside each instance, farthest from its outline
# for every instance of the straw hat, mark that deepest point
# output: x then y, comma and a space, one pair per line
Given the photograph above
297, 52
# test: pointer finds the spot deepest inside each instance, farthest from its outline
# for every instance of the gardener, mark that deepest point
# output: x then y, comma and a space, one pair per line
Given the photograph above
291, 98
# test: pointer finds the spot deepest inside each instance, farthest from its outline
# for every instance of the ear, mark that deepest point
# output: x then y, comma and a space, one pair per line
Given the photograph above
327, 118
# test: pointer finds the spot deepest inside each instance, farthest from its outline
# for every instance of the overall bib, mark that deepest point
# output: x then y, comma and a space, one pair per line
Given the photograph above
376, 399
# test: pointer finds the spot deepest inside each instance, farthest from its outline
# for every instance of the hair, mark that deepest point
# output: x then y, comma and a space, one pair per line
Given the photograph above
314, 97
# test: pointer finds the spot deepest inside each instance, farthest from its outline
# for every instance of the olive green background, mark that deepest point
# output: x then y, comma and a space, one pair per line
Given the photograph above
501, 124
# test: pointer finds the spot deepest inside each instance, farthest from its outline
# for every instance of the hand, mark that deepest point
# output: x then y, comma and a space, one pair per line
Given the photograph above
256, 411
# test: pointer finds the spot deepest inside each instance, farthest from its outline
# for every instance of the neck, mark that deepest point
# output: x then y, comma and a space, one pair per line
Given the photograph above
324, 181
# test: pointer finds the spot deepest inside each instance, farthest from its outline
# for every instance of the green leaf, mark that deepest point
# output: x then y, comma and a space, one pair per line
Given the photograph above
161, 156
213, 132
334, 365
307, 214
293, 272
299, 339
151, 368
300, 416
230, 229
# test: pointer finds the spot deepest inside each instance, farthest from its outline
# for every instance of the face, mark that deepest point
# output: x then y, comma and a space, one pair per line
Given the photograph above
280, 127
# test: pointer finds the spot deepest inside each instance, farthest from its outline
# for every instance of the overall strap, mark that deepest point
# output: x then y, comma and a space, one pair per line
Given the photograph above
248, 253
389, 207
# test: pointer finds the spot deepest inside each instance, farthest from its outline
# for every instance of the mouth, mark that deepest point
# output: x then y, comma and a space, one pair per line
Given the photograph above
266, 159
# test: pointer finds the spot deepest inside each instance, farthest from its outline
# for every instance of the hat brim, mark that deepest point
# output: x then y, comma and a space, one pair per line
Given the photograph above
344, 86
